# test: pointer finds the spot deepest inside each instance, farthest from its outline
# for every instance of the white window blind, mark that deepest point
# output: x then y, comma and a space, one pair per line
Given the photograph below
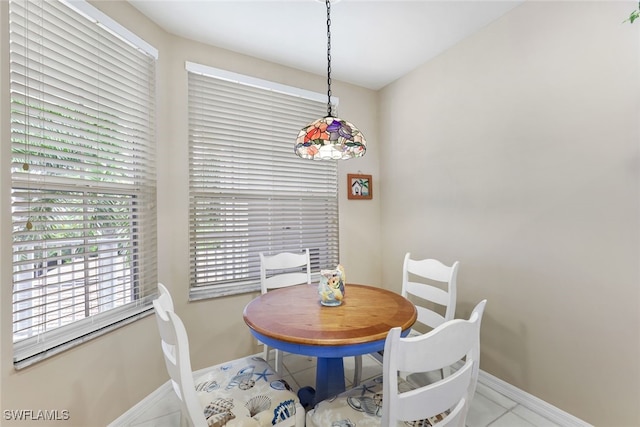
249, 192
83, 175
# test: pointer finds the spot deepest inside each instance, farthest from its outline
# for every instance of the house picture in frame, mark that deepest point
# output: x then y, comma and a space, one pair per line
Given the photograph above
359, 186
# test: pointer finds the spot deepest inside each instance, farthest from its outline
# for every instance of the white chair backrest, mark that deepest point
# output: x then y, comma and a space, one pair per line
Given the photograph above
277, 271
434, 270
442, 347
167, 301
175, 348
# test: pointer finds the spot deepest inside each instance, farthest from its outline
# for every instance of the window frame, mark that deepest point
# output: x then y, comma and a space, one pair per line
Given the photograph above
53, 341
324, 257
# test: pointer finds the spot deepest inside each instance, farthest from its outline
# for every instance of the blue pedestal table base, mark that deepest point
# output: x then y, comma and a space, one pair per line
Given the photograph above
330, 367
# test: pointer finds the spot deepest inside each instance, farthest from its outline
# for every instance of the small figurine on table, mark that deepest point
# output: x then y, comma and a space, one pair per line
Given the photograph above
331, 287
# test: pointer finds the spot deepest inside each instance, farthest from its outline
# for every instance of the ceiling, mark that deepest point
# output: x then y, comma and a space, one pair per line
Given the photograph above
372, 42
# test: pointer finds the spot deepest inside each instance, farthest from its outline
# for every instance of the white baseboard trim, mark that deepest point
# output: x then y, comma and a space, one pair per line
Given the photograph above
556, 415
142, 406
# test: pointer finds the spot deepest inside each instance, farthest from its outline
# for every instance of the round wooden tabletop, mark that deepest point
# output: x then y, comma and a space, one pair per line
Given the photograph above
294, 315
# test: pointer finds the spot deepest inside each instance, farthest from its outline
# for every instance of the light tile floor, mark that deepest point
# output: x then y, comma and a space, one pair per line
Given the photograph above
488, 408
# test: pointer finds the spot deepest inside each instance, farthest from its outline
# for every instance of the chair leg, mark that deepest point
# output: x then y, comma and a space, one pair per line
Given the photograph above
357, 371
278, 364
277, 354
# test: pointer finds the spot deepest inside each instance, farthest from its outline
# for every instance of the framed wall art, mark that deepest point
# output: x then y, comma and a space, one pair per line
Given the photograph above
359, 186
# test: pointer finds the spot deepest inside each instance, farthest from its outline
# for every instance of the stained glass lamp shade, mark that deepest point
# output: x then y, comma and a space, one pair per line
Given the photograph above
330, 138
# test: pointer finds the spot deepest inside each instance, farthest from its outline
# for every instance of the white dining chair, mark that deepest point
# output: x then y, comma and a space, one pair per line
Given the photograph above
281, 270
390, 401
420, 278
432, 286
230, 390
426, 281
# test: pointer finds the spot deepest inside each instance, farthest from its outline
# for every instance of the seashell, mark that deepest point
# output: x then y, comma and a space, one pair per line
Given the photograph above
258, 404
246, 384
283, 411
354, 402
258, 359
220, 420
218, 406
377, 399
280, 385
207, 386
364, 404
247, 370
242, 375
218, 412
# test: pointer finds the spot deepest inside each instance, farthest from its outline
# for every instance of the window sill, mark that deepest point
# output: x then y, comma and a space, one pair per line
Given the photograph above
35, 357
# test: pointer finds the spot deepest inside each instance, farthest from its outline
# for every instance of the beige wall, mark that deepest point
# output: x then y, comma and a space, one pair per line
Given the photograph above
517, 153
101, 379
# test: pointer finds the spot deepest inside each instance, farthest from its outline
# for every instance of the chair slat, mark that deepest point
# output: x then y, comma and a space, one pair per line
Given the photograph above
435, 398
416, 357
428, 292
418, 277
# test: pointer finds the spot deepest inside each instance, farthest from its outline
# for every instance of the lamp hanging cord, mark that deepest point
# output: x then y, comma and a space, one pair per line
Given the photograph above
329, 113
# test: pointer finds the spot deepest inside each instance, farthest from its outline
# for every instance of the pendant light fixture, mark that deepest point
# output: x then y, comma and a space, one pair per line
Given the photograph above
330, 137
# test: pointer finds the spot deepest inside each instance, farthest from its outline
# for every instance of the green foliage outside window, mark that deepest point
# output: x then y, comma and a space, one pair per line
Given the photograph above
634, 15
